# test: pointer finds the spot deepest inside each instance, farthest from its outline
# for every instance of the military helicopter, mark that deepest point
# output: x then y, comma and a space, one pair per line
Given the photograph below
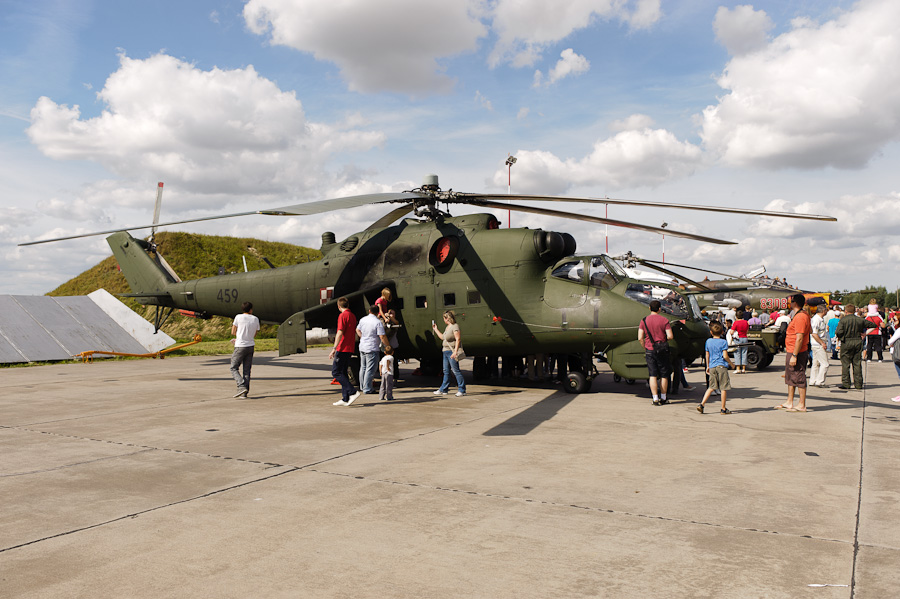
515, 291
734, 291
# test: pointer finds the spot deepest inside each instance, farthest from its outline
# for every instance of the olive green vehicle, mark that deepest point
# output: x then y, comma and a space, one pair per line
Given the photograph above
764, 345
533, 296
515, 292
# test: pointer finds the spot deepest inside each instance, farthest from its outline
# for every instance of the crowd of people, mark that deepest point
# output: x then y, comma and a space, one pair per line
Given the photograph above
810, 338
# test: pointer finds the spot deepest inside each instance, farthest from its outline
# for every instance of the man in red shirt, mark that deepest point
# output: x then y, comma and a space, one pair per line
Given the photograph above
344, 344
796, 347
656, 328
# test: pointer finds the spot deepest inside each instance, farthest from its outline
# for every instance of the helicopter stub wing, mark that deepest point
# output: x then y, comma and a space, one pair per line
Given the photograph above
601, 221
475, 197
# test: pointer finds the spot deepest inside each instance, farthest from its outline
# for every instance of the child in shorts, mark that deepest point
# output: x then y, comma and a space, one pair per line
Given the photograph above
716, 367
386, 391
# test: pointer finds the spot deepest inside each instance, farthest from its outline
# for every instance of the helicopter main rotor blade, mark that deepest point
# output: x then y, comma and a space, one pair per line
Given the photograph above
390, 217
601, 221
306, 209
713, 272
475, 197
673, 274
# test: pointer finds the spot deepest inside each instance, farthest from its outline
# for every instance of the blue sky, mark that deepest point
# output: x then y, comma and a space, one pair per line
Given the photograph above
244, 105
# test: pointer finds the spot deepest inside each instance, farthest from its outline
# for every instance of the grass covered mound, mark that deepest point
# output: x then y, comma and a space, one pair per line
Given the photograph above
193, 256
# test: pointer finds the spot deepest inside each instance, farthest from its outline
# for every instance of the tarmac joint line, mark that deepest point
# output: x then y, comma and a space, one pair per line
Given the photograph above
580, 507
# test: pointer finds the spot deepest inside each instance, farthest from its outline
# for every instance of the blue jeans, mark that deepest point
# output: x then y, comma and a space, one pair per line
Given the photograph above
368, 362
452, 365
339, 372
897, 366
740, 351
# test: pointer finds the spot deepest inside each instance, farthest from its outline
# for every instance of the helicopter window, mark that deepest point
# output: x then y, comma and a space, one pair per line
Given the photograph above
616, 270
670, 301
572, 271
695, 307
421, 301
600, 276
449, 299
474, 297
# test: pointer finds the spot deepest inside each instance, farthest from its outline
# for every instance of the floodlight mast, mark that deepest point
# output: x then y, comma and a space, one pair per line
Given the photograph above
510, 160
663, 226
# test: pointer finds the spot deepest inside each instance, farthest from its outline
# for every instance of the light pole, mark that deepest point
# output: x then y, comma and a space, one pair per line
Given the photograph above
663, 226
510, 160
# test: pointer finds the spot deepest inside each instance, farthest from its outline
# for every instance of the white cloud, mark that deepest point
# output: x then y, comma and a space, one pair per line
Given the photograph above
741, 29
894, 253
389, 45
648, 157
634, 122
209, 133
816, 96
525, 28
523, 113
482, 101
399, 45
569, 63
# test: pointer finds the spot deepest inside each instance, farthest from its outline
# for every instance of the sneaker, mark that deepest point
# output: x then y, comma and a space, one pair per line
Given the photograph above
700, 408
725, 411
439, 392
688, 388
340, 402
655, 402
716, 392
895, 398
240, 393
334, 382
460, 393
684, 369
353, 397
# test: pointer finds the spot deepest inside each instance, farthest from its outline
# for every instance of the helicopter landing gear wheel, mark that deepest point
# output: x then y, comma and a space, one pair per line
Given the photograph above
617, 378
577, 383
629, 381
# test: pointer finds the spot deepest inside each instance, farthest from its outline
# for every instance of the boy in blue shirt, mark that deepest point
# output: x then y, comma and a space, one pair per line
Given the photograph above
716, 367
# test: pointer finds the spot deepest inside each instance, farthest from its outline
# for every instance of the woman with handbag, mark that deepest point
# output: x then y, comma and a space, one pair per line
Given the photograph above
453, 353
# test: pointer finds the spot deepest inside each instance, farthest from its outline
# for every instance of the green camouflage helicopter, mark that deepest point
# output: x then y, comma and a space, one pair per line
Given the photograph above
515, 291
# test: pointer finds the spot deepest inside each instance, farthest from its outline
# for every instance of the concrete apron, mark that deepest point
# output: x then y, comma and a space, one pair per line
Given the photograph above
146, 479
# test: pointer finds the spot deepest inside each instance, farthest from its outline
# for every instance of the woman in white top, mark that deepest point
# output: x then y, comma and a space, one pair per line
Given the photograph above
452, 345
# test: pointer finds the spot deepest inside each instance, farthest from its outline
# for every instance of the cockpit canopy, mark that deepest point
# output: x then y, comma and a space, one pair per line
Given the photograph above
600, 273
671, 302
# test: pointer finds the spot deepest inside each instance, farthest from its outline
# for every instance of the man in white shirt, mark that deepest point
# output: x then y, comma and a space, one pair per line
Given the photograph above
817, 342
244, 329
371, 335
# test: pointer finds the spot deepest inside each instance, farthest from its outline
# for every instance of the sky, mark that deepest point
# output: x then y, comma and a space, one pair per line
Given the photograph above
244, 105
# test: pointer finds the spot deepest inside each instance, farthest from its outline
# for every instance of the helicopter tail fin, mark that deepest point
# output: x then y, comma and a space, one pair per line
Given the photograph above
146, 271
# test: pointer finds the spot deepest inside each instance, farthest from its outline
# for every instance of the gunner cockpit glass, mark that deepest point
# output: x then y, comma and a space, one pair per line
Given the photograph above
670, 301
570, 271
600, 276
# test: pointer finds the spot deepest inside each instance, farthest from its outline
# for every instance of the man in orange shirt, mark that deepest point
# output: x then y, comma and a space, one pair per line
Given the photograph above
796, 346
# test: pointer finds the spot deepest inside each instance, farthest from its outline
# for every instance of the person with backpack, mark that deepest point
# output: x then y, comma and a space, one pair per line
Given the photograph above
654, 333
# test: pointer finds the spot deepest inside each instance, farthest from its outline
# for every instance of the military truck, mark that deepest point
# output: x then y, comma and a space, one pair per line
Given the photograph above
764, 343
